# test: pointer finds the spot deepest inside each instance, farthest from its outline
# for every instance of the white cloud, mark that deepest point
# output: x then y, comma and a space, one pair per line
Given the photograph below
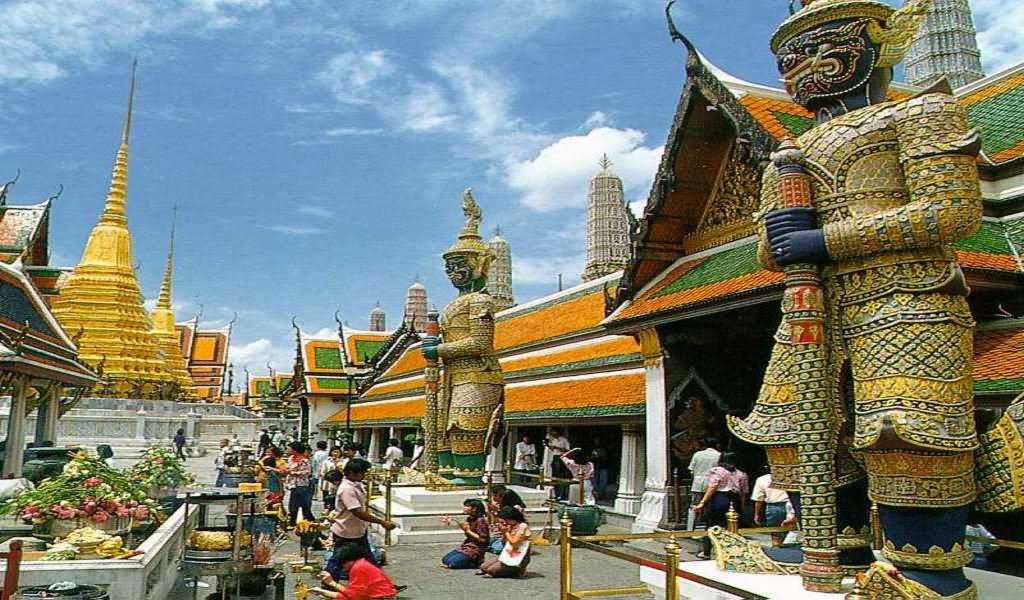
596, 119
324, 333
313, 210
345, 131
351, 75
999, 24
294, 230
545, 269
258, 353
44, 40
557, 177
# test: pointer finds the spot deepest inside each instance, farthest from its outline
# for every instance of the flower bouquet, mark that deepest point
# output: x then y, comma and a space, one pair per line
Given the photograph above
158, 472
86, 493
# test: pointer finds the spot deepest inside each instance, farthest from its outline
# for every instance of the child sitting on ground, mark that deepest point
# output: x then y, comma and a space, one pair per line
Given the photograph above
366, 581
471, 553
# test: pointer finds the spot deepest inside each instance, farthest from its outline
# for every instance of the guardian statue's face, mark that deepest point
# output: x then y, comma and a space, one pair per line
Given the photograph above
830, 61
459, 271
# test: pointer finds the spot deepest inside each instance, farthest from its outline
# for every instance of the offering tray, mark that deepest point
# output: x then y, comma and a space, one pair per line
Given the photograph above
211, 556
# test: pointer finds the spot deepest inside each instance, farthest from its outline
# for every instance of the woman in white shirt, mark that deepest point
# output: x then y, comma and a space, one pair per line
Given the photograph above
579, 464
393, 455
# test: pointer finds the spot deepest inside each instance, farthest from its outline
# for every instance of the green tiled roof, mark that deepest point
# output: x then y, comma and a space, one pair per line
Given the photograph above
1015, 231
729, 264
332, 383
794, 124
593, 363
367, 349
990, 238
327, 358
263, 387
999, 385
1000, 119
571, 413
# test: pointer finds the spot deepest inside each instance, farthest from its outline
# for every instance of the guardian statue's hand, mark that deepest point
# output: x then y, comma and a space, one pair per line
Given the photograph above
429, 348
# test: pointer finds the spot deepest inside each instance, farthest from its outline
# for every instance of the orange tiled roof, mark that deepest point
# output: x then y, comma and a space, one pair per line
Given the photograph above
561, 395
987, 261
601, 350
411, 361
561, 317
999, 354
395, 387
398, 410
767, 112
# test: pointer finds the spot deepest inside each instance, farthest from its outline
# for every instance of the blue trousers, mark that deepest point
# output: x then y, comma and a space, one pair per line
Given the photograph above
457, 560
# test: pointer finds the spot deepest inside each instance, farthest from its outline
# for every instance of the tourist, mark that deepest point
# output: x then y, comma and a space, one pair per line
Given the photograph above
106, 454
501, 497
366, 581
219, 462
179, 444
236, 444
270, 462
582, 469
981, 550
393, 455
526, 455
555, 445
470, 554
417, 453
264, 442
351, 516
701, 462
316, 464
278, 439
769, 505
334, 463
515, 555
726, 486
296, 481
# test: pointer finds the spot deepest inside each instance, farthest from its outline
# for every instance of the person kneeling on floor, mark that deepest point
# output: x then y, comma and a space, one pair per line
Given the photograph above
471, 553
515, 556
366, 581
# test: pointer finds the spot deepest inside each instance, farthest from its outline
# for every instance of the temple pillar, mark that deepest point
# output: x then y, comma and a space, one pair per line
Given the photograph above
496, 463
41, 413
192, 427
631, 470
14, 456
373, 448
652, 503
52, 404
140, 424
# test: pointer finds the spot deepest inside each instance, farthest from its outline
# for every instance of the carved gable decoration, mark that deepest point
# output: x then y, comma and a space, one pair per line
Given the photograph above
728, 215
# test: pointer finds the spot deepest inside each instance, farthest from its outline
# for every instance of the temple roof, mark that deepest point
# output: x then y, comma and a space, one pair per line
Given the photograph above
31, 339
22, 231
999, 357
995, 105
556, 360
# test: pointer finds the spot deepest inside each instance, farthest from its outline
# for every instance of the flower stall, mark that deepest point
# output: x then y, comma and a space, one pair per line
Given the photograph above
87, 493
159, 473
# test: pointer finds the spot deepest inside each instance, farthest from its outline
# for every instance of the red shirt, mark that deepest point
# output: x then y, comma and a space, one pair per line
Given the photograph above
365, 582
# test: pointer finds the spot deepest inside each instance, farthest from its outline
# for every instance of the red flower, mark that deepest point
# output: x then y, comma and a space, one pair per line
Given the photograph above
91, 482
100, 516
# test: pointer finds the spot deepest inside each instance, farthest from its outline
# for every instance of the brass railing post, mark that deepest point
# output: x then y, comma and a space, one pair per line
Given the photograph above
672, 556
387, 507
877, 537
565, 546
732, 519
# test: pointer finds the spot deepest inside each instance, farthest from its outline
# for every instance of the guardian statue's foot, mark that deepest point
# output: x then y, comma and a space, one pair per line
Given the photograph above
885, 582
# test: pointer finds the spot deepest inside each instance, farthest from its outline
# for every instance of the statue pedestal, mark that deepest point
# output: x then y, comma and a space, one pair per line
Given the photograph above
417, 512
991, 586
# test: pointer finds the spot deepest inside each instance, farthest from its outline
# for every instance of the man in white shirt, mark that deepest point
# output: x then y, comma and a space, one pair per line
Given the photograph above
701, 462
393, 455
769, 505
417, 453
316, 463
526, 455
556, 445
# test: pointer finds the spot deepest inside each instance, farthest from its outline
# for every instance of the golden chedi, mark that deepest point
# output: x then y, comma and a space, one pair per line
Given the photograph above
101, 299
167, 336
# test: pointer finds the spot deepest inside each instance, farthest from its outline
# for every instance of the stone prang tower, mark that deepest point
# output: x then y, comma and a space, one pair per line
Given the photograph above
607, 224
499, 280
378, 319
947, 45
416, 306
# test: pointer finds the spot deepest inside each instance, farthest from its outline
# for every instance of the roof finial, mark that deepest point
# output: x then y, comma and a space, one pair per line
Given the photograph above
164, 301
694, 65
604, 162
131, 101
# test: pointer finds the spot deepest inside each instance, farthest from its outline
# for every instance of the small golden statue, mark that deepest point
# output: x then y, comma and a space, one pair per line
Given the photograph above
465, 399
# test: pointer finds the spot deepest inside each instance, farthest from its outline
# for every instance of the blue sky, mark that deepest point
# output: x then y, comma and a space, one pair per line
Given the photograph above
317, 149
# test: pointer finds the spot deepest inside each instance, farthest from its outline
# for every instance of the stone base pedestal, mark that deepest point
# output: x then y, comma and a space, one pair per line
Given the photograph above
991, 586
417, 512
652, 510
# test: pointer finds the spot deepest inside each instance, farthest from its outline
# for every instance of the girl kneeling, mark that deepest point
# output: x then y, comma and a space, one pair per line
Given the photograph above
471, 553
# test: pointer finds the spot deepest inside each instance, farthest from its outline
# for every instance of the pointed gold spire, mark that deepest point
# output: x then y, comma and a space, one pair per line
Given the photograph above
163, 324
117, 197
102, 297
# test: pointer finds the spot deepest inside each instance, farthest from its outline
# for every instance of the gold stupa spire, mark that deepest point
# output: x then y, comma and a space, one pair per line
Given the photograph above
163, 325
102, 299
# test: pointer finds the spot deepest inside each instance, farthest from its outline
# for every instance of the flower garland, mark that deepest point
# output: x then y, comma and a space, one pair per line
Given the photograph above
160, 468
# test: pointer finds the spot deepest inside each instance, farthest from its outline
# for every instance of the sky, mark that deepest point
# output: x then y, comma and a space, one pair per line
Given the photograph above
317, 149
